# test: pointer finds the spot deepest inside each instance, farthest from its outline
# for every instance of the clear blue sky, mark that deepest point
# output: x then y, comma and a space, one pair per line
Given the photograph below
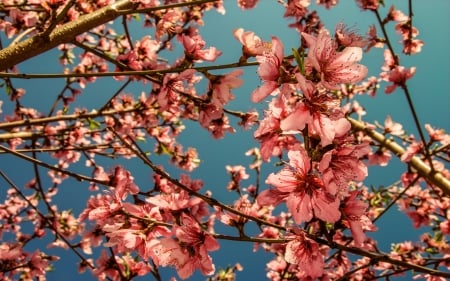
429, 89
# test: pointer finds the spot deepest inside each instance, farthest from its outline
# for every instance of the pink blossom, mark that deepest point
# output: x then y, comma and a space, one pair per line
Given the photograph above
398, 77
355, 213
269, 132
436, 134
319, 111
368, 4
247, 4
341, 165
189, 251
348, 38
334, 67
123, 182
380, 157
269, 70
412, 149
304, 193
194, 48
297, 9
252, 45
222, 85
237, 174
393, 128
305, 253
373, 39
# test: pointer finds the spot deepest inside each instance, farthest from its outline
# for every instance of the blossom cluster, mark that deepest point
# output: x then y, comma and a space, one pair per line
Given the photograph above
311, 212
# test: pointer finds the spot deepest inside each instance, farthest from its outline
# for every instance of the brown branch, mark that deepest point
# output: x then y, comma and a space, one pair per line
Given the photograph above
422, 168
45, 120
47, 220
17, 53
76, 176
380, 257
119, 73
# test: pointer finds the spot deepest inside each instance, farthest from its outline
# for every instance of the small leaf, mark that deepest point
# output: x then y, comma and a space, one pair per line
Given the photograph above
300, 61
94, 124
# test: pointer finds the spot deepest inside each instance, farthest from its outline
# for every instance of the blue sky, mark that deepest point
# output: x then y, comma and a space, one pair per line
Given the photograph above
429, 90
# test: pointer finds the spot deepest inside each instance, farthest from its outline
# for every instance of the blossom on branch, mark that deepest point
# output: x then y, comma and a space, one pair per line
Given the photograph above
305, 194
333, 67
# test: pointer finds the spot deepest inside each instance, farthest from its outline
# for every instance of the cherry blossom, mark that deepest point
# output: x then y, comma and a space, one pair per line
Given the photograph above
319, 111
270, 70
304, 193
333, 67
252, 45
305, 253
306, 201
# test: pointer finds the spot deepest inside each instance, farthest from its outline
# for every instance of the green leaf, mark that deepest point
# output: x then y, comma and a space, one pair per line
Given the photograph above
94, 124
300, 61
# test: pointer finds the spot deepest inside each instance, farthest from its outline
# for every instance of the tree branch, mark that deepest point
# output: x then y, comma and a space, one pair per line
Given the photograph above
422, 168
22, 51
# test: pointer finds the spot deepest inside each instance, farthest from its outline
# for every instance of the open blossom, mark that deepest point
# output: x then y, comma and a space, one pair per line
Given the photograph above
222, 85
297, 9
269, 70
252, 45
393, 128
268, 132
349, 38
368, 4
373, 39
398, 77
189, 251
304, 193
355, 213
333, 67
305, 253
380, 157
319, 111
392, 72
194, 48
342, 165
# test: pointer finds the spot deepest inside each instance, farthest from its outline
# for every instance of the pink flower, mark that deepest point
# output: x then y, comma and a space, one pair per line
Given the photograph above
194, 44
334, 67
297, 9
380, 157
436, 134
222, 85
373, 39
368, 4
252, 45
320, 111
237, 174
398, 77
123, 182
247, 4
342, 165
270, 67
304, 193
354, 211
305, 253
393, 128
189, 251
348, 38
269, 133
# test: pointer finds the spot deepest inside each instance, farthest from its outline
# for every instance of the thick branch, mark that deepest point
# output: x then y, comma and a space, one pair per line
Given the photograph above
17, 53
422, 168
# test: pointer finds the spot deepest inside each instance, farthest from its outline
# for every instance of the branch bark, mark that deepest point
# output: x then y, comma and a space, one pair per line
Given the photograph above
422, 168
40, 43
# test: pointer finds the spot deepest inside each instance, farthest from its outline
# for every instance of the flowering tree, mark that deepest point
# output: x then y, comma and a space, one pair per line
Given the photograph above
307, 205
